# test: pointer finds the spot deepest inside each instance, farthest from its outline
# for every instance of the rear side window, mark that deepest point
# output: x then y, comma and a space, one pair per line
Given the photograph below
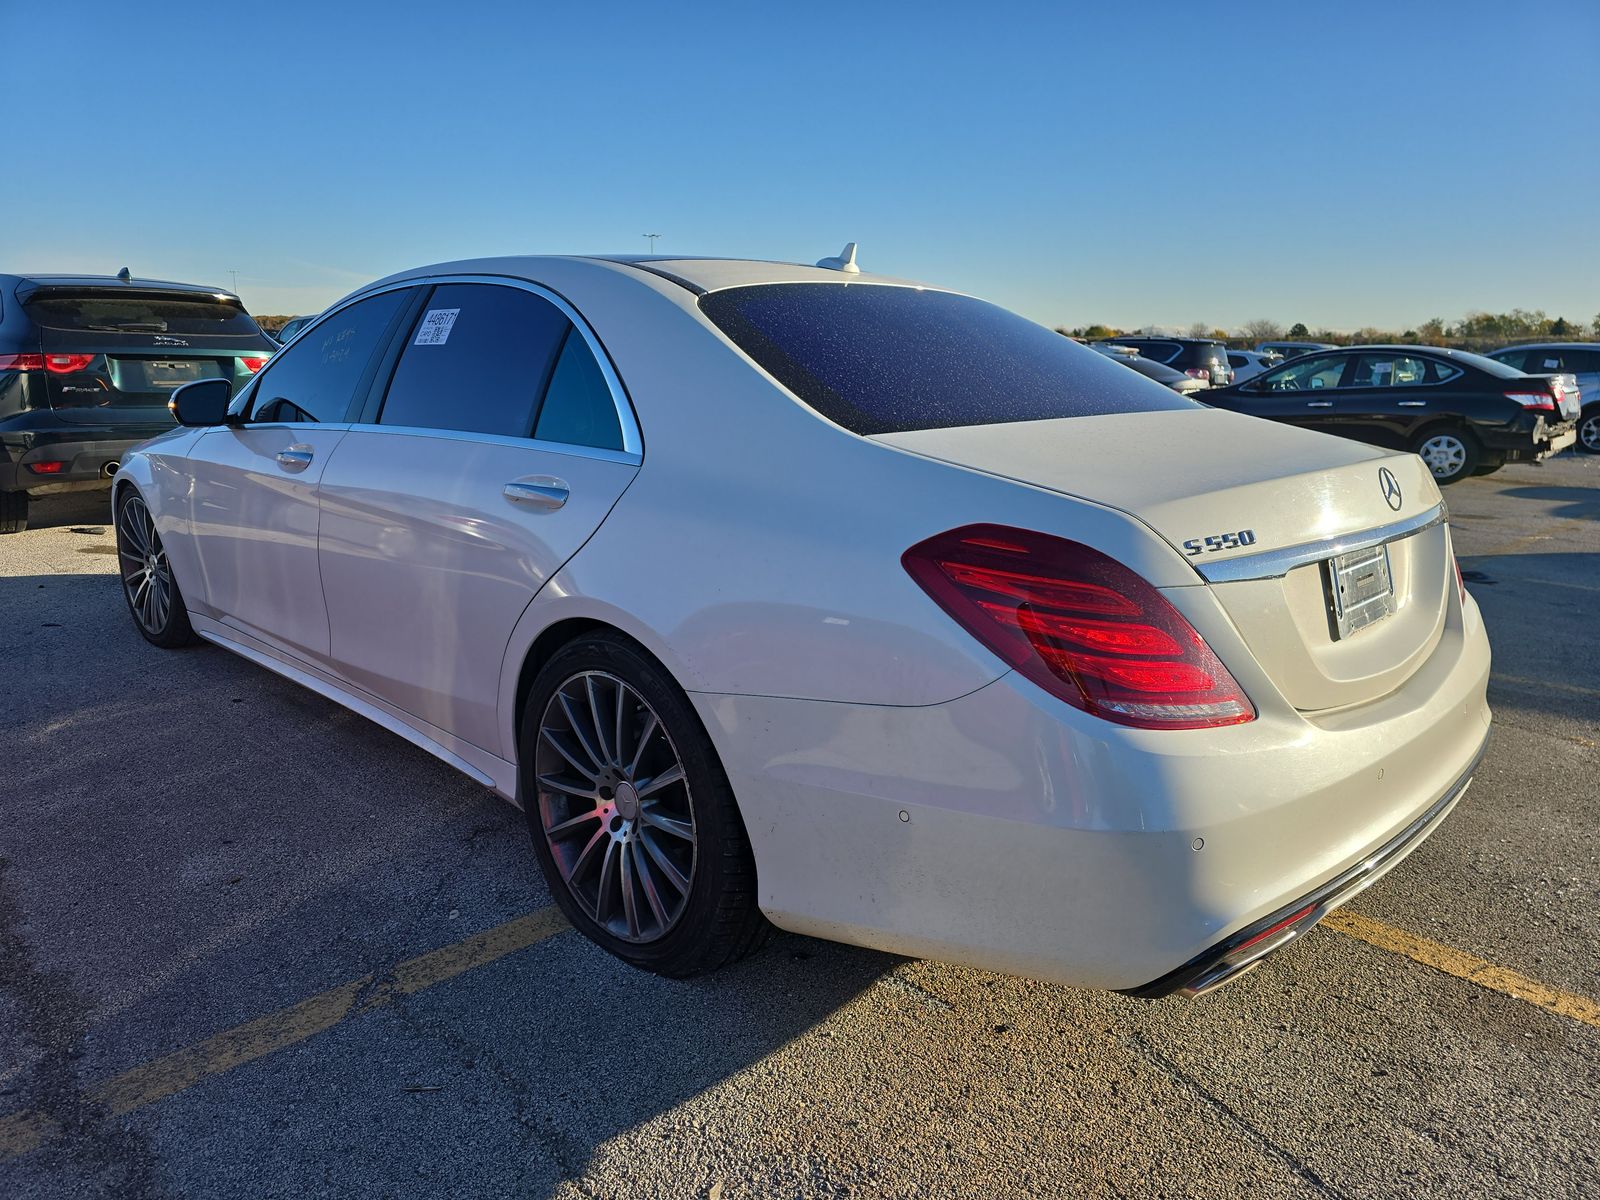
100, 313
876, 358
578, 409
1511, 358
1391, 370
316, 378
476, 361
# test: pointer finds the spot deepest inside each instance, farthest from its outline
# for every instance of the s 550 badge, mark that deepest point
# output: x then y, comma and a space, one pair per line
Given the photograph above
1219, 541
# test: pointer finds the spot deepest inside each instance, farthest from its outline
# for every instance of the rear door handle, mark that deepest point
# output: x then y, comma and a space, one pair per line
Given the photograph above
538, 491
1319, 403
295, 458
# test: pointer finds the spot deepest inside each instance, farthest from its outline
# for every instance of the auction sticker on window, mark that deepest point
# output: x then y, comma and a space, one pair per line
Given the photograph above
435, 327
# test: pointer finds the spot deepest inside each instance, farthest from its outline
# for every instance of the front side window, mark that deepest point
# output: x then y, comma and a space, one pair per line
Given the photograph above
476, 361
876, 358
316, 378
1389, 370
1312, 372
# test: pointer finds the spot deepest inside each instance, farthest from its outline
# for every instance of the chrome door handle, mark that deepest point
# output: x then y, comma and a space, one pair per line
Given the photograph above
295, 458
1319, 403
540, 491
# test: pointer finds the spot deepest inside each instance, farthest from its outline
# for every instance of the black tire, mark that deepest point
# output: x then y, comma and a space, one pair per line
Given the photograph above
1450, 452
714, 920
1589, 430
143, 567
13, 512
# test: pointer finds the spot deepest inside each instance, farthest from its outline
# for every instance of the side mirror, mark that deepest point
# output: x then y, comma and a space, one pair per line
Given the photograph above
203, 402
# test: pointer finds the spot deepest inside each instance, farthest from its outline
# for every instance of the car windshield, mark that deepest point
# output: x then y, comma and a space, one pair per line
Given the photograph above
878, 358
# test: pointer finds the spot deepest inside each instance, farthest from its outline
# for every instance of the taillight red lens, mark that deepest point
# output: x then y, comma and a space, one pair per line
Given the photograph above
66, 364
1079, 624
252, 365
21, 362
1198, 372
1540, 401
47, 468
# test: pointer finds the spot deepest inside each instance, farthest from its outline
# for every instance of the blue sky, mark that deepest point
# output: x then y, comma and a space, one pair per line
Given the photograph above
1338, 164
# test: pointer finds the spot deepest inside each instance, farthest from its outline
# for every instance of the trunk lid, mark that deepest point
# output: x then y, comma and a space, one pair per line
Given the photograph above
1221, 487
115, 355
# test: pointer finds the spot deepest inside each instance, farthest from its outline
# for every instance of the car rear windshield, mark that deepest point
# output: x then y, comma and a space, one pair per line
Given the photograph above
177, 316
879, 358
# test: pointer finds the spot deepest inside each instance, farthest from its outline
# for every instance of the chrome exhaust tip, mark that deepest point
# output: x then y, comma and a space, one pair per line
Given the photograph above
110, 469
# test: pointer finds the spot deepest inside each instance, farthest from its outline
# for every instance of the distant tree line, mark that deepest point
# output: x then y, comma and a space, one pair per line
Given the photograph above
1475, 331
272, 323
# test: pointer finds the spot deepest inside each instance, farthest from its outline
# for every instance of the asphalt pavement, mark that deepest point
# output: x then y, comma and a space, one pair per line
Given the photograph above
253, 945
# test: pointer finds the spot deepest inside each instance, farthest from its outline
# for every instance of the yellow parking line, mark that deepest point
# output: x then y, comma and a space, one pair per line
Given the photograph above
21, 1132
1465, 966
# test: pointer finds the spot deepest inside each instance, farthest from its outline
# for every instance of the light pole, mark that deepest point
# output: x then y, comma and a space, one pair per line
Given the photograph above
235, 275
651, 238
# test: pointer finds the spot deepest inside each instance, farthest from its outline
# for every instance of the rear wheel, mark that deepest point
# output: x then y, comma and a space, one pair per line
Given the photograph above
147, 581
1450, 452
13, 512
1589, 430
632, 817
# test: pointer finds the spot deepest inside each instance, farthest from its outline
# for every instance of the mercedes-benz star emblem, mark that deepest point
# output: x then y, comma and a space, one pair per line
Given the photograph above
1390, 486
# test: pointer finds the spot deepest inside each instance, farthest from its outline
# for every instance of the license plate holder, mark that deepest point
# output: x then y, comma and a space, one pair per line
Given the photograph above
1360, 589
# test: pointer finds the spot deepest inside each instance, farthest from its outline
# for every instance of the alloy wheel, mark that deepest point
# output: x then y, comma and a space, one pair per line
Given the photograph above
1589, 433
146, 574
615, 807
1445, 454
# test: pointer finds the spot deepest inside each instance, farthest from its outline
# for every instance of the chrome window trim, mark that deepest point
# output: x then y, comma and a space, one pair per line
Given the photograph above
572, 449
1273, 564
632, 439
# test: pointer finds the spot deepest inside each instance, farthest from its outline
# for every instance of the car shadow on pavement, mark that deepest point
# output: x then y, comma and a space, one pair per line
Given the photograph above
1574, 501
70, 508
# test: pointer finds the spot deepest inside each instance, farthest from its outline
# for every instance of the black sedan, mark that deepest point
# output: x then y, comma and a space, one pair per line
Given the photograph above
1463, 413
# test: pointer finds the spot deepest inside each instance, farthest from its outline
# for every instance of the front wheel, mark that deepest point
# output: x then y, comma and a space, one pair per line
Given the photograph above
1589, 430
633, 821
1451, 454
147, 581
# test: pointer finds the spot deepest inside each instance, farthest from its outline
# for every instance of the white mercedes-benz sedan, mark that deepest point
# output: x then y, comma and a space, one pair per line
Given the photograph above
794, 594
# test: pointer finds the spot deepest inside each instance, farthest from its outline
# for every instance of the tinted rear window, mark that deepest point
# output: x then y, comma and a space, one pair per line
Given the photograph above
881, 359
102, 313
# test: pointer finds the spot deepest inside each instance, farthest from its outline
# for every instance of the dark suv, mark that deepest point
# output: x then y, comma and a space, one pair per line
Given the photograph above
86, 365
1198, 358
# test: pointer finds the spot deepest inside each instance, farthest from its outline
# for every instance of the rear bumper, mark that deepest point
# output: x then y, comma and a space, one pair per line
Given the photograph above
1530, 439
1010, 832
85, 454
1240, 953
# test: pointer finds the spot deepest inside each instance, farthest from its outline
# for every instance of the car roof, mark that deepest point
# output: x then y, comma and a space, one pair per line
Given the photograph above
1546, 346
699, 275
1162, 337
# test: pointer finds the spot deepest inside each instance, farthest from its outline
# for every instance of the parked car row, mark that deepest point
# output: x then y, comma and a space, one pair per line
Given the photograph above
1464, 414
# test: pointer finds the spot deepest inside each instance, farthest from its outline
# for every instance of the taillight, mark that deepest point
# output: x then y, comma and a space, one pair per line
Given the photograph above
1540, 401
1080, 625
252, 365
1198, 372
66, 364
21, 362
47, 468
